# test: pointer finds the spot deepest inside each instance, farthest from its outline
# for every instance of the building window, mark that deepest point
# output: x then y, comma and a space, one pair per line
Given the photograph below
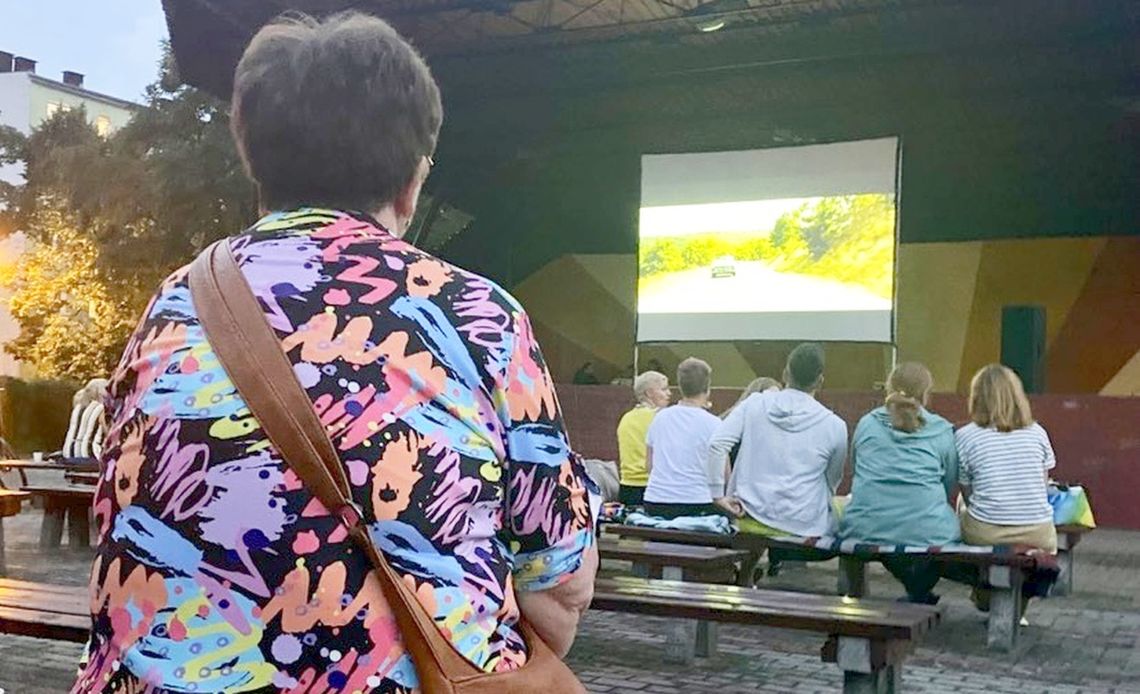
54, 107
103, 126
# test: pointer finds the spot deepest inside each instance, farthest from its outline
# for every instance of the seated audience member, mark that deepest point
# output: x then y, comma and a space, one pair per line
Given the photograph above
905, 467
792, 451
1005, 462
1005, 458
760, 385
85, 431
652, 392
585, 375
681, 481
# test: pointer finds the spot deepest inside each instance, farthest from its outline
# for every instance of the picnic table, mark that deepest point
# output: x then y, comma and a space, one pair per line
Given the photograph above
44, 611
66, 504
22, 466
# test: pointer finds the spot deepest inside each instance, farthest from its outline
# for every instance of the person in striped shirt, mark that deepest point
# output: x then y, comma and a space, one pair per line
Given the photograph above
1004, 458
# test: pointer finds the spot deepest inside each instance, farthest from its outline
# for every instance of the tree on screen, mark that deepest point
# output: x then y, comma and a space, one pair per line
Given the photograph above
849, 239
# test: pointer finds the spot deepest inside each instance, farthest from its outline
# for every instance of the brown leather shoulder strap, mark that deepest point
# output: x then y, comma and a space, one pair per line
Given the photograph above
251, 355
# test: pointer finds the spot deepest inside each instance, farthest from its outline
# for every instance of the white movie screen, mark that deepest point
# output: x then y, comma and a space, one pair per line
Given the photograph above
792, 243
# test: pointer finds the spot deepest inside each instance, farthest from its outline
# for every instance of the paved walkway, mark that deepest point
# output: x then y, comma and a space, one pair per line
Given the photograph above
1087, 643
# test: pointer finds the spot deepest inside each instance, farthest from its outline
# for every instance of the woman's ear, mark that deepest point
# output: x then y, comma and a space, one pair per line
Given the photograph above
405, 203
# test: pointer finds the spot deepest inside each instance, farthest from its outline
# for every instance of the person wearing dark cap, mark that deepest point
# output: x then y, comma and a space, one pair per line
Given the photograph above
792, 453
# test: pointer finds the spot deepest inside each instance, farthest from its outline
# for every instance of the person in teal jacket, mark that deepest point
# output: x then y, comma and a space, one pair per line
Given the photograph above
906, 468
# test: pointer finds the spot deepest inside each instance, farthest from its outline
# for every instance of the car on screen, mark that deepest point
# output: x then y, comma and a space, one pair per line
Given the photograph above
724, 266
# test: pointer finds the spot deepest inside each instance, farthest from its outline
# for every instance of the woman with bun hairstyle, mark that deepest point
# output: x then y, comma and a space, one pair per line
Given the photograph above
905, 469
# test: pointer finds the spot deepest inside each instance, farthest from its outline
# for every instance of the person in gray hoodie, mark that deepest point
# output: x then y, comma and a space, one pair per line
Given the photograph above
792, 454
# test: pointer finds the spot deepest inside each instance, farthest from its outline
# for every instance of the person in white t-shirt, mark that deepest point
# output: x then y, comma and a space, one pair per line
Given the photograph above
683, 479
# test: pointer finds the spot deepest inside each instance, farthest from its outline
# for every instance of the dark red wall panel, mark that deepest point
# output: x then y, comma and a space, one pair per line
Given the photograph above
1097, 439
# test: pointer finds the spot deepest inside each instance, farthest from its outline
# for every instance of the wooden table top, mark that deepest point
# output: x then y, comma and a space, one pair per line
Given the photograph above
44, 610
19, 464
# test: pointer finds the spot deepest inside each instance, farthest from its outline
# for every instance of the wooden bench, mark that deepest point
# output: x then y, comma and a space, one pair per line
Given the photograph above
10, 503
684, 563
680, 537
1006, 573
44, 611
674, 561
72, 503
868, 639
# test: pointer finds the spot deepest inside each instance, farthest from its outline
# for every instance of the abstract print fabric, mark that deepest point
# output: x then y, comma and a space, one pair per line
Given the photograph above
217, 571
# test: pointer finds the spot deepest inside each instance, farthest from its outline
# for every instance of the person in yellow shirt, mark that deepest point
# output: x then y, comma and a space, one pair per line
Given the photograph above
652, 392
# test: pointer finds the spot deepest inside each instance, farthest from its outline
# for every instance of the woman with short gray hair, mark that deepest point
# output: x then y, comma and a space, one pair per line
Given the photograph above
217, 569
652, 392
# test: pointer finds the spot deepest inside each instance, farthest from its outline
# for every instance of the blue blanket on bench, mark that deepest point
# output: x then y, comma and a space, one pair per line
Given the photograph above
854, 547
718, 525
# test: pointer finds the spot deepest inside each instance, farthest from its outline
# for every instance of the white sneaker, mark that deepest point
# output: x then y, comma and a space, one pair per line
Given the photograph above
1024, 622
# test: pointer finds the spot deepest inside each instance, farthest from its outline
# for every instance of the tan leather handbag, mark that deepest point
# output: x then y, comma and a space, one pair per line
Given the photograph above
251, 355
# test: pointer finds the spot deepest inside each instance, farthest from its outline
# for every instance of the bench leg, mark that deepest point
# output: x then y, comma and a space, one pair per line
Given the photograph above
681, 638
78, 527
1064, 584
862, 674
852, 577
745, 579
1005, 608
706, 639
51, 530
885, 681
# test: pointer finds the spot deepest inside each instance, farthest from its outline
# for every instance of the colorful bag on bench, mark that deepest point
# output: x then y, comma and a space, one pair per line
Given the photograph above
1071, 506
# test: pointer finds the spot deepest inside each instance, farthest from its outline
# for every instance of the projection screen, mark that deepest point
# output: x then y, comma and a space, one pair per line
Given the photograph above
791, 243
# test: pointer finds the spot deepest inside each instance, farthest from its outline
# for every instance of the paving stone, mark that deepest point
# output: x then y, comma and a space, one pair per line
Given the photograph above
1088, 643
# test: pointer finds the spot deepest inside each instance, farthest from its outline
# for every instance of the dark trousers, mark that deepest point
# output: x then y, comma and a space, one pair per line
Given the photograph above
671, 511
919, 575
630, 495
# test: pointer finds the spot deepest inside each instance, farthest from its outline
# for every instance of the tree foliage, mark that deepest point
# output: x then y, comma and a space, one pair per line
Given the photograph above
846, 238
107, 218
73, 323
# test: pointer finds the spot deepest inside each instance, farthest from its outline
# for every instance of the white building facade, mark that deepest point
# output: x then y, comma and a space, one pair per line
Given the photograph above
27, 100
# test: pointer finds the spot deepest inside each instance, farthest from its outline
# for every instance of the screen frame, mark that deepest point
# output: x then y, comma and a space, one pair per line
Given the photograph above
893, 339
